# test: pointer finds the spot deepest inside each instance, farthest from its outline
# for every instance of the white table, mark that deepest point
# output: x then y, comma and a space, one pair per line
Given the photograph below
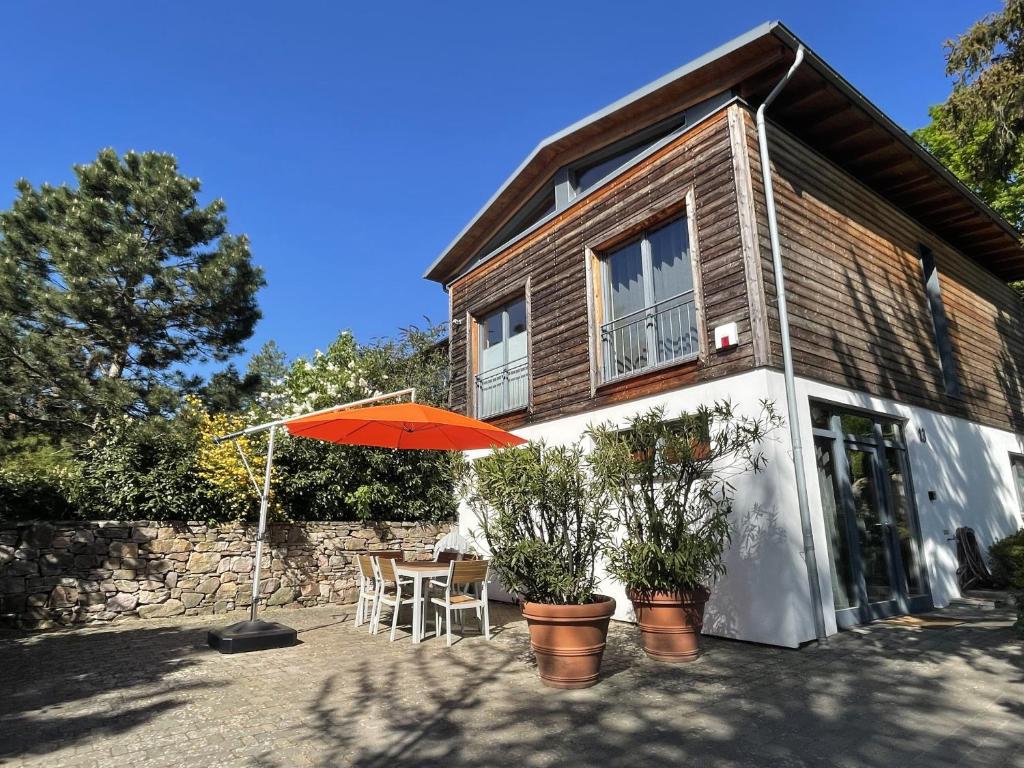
419, 572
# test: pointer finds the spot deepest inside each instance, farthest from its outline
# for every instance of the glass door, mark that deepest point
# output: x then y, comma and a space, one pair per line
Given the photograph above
866, 500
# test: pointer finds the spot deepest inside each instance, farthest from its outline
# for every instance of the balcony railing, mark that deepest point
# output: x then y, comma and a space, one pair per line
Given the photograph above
502, 389
663, 333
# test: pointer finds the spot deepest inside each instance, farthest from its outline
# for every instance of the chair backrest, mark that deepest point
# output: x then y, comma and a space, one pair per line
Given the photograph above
366, 566
452, 541
388, 555
448, 556
467, 572
386, 568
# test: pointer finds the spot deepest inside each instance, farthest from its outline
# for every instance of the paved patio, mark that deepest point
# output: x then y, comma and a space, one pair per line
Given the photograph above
151, 694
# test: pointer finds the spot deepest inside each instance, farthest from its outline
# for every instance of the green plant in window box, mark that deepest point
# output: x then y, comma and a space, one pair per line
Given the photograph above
545, 521
670, 481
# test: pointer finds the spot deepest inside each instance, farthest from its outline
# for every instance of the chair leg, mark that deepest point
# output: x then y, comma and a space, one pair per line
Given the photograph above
360, 609
394, 619
448, 623
487, 621
437, 621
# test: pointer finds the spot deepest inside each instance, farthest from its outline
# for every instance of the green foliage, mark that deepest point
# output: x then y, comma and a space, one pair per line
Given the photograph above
1005, 193
671, 484
329, 482
986, 108
37, 480
106, 286
1006, 557
543, 519
134, 468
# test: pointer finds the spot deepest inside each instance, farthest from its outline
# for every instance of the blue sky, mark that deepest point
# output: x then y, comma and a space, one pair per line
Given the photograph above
352, 143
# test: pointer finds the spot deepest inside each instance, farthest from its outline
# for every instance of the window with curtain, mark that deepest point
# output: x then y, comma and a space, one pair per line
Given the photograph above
502, 378
651, 316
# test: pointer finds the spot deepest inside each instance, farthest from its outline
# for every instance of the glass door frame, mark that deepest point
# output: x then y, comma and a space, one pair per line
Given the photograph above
875, 444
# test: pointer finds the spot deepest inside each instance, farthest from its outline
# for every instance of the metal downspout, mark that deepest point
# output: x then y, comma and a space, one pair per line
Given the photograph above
787, 357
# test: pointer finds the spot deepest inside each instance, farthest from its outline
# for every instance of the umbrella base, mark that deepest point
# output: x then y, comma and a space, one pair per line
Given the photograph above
247, 636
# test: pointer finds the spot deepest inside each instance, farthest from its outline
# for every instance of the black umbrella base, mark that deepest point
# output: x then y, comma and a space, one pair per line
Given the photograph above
251, 636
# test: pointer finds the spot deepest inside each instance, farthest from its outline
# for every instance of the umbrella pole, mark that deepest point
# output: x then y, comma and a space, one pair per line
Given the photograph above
255, 635
264, 503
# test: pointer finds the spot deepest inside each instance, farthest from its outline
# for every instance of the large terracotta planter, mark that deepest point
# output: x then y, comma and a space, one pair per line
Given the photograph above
670, 623
569, 640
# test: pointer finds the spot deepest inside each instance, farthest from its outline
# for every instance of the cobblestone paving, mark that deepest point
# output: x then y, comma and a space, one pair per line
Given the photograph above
150, 693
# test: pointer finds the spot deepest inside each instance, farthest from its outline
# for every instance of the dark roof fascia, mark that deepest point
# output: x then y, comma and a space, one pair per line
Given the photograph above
858, 99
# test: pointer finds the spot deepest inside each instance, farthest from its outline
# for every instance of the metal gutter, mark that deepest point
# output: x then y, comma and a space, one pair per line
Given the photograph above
792, 402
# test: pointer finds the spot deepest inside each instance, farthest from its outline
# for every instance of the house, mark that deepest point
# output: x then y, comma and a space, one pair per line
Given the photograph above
628, 262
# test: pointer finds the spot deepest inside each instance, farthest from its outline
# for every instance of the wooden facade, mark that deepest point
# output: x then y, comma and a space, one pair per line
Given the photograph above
858, 313
550, 269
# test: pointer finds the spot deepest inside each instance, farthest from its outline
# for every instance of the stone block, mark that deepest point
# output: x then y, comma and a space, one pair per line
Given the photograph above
209, 585
158, 567
124, 549
12, 586
191, 599
282, 596
122, 601
162, 610
63, 597
223, 606
126, 585
171, 580
203, 562
83, 536
241, 564
227, 591
21, 568
188, 582
142, 534
123, 573
39, 535
147, 597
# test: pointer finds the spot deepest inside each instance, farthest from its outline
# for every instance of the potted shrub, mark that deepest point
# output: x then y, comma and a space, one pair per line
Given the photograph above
670, 484
544, 522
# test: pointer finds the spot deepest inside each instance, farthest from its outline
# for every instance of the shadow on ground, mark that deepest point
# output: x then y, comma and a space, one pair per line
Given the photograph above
943, 696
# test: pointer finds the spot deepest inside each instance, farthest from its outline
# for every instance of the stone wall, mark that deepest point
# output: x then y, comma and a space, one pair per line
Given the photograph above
61, 573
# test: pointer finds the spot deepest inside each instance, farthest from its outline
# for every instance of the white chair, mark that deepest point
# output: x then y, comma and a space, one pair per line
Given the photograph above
384, 568
463, 574
453, 542
369, 587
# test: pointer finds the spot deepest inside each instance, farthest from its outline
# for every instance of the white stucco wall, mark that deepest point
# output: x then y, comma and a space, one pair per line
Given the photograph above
764, 597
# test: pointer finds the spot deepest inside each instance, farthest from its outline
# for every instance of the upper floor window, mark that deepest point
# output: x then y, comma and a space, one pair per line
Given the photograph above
650, 315
940, 323
502, 378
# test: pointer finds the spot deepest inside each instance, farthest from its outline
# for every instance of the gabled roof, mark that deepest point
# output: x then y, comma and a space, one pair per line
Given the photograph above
818, 106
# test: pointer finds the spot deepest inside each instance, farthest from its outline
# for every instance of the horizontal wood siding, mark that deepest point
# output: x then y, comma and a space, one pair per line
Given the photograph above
858, 313
554, 261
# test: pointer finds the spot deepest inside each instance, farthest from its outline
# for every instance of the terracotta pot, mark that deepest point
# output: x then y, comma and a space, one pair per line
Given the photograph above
670, 622
569, 640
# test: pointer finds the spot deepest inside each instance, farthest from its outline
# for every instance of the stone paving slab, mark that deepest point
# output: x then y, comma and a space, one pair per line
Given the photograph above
150, 693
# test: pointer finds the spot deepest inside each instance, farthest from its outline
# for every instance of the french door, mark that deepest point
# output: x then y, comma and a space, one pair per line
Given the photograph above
874, 543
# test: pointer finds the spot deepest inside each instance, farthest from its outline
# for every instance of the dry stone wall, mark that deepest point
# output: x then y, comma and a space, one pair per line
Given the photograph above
62, 573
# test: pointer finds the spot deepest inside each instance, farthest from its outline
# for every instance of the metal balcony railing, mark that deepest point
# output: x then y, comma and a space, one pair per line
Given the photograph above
502, 389
663, 333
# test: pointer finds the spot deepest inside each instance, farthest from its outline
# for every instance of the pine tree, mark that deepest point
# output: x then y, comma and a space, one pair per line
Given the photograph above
107, 285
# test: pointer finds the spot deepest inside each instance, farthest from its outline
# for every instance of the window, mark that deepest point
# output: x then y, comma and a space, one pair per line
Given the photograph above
502, 380
1017, 466
940, 323
649, 313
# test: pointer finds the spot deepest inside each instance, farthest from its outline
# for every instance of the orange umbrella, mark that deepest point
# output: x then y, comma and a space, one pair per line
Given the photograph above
405, 425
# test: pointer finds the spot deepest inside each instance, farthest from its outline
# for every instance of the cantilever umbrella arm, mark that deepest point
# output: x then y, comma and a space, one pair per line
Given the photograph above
254, 636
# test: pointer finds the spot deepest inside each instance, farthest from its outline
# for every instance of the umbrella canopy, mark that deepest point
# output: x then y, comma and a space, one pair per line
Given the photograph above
405, 425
